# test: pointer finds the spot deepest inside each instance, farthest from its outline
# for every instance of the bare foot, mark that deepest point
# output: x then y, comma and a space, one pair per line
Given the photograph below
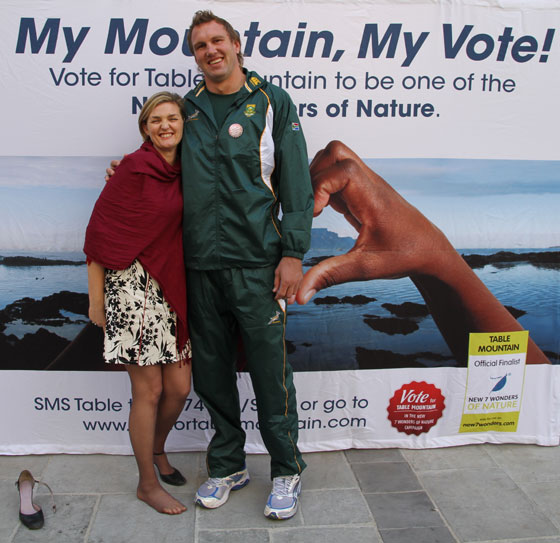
163, 502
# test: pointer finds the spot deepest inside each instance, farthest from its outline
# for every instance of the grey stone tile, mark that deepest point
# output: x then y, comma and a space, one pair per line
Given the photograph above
485, 504
470, 456
9, 499
386, 477
259, 466
123, 518
68, 525
91, 473
438, 534
191, 465
547, 498
347, 534
403, 510
530, 540
12, 466
234, 536
325, 507
527, 463
244, 510
328, 470
189, 462
374, 455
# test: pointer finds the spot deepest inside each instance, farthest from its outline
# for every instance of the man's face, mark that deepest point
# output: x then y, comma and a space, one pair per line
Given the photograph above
214, 52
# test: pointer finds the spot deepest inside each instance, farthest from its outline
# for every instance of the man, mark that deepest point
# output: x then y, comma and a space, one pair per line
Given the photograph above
243, 156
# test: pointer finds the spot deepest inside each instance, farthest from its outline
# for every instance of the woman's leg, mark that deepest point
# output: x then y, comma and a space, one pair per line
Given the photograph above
176, 383
147, 383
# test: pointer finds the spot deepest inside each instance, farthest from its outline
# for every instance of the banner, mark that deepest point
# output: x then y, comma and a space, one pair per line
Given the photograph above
445, 113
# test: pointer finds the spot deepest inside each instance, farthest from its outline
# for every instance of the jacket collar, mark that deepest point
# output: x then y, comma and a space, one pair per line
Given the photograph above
253, 81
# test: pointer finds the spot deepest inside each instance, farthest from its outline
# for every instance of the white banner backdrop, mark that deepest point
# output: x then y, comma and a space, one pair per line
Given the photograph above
401, 79
75, 412
453, 102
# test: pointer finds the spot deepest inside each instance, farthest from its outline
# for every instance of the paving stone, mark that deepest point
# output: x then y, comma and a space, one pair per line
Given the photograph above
485, 504
403, 510
438, 534
68, 525
527, 463
121, 518
374, 455
112, 473
386, 477
324, 507
531, 540
501, 493
546, 496
259, 465
9, 499
192, 466
346, 534
244, 510
91, 473
12, 466
234, 536
449, 458
328, 470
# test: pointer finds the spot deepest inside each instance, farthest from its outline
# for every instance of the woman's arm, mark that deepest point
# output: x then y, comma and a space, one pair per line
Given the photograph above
96, 289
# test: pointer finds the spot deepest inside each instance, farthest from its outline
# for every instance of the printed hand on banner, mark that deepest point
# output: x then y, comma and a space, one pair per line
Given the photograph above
396, 240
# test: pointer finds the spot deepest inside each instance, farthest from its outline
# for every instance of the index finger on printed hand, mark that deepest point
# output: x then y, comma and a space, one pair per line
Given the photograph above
329, 272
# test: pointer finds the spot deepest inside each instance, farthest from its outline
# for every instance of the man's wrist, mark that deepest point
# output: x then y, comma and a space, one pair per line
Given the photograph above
292, 254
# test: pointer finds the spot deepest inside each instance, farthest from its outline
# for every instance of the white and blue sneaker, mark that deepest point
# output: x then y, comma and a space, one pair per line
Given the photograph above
283, 500
215, 491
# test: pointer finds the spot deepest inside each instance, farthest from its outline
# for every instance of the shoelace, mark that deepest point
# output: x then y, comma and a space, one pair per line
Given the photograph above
220, 481
282, 486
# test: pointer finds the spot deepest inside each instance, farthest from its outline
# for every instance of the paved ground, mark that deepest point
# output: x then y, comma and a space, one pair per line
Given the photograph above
498, 493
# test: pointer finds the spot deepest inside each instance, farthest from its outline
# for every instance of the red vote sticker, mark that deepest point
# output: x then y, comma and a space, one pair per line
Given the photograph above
416, 407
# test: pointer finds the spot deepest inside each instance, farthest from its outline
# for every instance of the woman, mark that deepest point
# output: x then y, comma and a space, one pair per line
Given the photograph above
137, 290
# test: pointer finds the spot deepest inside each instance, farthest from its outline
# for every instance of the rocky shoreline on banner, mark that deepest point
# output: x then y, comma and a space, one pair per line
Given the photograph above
42, 346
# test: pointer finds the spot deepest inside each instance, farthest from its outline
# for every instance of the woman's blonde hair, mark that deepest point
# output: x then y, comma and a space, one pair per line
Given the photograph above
152, 102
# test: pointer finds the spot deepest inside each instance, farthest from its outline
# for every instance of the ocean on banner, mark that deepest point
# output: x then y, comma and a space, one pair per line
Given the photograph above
339, 322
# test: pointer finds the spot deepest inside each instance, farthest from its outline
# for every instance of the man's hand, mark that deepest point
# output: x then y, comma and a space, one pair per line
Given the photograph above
287, 278
109, 172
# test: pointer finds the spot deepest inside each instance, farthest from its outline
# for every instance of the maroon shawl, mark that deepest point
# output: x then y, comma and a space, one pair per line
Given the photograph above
139, 215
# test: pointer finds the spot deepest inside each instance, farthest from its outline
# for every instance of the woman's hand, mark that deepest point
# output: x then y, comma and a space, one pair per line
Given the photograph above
96, 314
96, 290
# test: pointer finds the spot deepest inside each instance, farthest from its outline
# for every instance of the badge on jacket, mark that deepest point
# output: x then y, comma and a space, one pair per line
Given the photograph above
235, 130
250, 110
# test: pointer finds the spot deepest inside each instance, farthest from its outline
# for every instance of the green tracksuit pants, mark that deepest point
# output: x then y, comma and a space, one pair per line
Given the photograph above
223, 305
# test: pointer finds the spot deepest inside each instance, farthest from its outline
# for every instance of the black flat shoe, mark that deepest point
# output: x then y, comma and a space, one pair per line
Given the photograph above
174, 478
30, 514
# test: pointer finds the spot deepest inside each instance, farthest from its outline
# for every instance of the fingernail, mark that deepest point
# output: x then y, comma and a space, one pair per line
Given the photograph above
308, 295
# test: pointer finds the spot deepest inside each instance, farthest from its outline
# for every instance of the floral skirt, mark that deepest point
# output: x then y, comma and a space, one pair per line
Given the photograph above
141, 327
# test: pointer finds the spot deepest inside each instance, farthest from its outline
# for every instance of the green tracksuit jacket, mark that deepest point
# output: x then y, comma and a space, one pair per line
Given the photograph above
236, 177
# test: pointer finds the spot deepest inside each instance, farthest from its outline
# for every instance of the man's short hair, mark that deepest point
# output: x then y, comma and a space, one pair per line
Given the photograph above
206, 16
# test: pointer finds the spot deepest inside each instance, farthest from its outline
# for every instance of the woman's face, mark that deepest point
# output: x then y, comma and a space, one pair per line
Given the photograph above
164, 127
